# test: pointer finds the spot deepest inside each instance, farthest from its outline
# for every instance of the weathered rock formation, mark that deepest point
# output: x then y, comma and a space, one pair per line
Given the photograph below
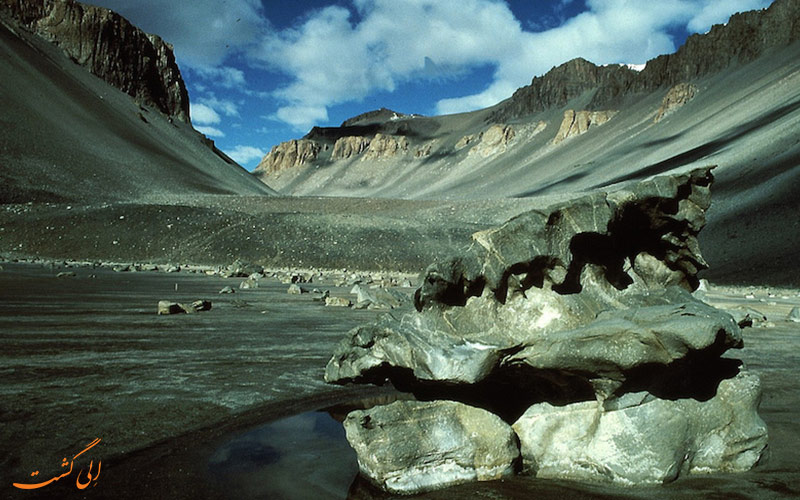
676, 97
294, 153
386, 146
347, 147
459, 444
140, 64
493, 140
577, 318
578, 122
641, 439
744, 38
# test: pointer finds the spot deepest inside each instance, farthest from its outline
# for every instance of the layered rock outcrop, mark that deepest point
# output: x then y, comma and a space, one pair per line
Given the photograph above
578, 122
347, 147
575, 324
294, 153
493, 140
676, 97
386, 146
140, 64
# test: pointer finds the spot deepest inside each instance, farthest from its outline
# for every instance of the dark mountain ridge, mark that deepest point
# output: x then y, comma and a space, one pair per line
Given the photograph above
110, 47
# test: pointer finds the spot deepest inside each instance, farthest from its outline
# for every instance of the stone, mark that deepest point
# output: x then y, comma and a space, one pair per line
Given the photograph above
493, 140
295, 289
227, 289
288, 155
167, 307
542, 272
67, 274
123, 268
676, 98
376, 298
199, 305
248, 284
411, 447
747, 316
640, 439
579, 319
385, 146
349, 146
337, 302
578, 123
794, 315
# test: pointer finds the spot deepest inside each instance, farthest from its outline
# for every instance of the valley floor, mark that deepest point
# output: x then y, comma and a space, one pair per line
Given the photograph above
86, 357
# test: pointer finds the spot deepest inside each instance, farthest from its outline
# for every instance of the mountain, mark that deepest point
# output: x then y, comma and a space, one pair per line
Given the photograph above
96, 109
730, 98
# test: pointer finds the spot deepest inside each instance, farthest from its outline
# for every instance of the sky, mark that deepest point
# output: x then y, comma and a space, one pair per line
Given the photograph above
260, 72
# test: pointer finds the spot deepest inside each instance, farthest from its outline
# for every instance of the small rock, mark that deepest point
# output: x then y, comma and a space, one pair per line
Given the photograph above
69, 274
201, 305
337, 302
295, 289
124, 268
172, 269
794, 315
321, 296
167, 307
227, 289
248, 284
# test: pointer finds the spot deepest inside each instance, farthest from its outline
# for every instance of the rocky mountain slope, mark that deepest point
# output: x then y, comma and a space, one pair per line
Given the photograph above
119, 131
729, 98
140, 64
428, 157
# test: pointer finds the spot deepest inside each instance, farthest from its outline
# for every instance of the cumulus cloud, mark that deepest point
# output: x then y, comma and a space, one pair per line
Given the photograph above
203, 32
225, 106
245, 154
718, 12
223, 76
340, 54
209, 131
203, 114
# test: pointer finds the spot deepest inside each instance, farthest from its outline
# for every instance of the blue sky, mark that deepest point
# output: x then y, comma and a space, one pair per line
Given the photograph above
260, 72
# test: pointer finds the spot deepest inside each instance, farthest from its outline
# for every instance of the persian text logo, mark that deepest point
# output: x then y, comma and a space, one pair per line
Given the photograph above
90, 478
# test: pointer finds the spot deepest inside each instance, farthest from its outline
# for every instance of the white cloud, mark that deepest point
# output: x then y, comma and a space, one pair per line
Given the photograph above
224, 106
718, 12
338, 55
245, 154
223, 76
210, 131
203, 114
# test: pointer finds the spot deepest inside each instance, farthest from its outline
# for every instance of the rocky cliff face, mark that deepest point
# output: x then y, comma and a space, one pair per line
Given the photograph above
141, 65
347, 147
744, 38
676, 97
294, 153
386, 146
578, 122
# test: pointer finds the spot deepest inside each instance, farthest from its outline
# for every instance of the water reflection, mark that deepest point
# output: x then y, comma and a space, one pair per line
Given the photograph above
300, 457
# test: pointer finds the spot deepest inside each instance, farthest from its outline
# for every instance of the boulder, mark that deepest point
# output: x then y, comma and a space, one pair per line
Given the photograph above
337, 302
411, 447
66, 274
577, 321
167, 307
295, 289
377, 297
248, 284
794, 315
227, 289
641, 439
